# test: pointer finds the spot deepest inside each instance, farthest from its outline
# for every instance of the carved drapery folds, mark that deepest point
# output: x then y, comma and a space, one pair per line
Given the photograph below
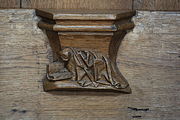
86, 68
80, 61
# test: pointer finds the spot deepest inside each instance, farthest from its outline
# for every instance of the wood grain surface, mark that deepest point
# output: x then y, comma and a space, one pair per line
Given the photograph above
157, 5
9, 4
149, 57
78, 4
167, 5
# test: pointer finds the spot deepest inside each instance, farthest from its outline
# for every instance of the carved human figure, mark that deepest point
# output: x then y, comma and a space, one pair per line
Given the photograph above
91, 69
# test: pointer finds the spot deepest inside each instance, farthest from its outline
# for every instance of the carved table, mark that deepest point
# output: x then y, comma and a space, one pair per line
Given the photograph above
85, 45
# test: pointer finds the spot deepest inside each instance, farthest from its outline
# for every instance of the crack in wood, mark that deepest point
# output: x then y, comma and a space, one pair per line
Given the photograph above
139, 109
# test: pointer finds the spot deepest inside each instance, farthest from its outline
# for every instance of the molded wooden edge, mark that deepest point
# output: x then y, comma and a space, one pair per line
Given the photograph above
63, 86
56, 27
84, 28
86, 33
129, 14
48, 13
41, 13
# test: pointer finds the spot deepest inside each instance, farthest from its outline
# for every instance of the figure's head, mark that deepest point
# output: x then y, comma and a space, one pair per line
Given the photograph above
66, 54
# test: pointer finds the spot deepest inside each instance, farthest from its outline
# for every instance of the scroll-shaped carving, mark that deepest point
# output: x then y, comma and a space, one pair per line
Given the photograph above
86, 69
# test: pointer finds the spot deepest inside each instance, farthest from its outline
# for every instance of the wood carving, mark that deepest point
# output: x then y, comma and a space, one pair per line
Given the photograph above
85, 46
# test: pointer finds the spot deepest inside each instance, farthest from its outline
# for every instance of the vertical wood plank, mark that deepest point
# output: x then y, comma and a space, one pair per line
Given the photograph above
78, 4
9, 4
22, 49
156, 5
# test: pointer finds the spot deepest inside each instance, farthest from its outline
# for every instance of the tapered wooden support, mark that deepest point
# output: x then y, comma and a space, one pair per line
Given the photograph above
85, 45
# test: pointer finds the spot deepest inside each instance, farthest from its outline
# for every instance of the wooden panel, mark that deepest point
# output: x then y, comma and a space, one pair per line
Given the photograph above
148, 58
156, 5
9, 4
78, 4
95, 42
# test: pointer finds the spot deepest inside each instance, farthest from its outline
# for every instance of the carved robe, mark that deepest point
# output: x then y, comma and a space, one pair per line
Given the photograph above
91, 70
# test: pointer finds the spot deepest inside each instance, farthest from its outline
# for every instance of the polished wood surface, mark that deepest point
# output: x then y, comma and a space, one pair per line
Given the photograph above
91, 41
90, 29
78, 27
60, 14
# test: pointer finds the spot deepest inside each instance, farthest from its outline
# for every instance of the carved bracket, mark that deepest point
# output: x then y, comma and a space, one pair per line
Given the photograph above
85, 46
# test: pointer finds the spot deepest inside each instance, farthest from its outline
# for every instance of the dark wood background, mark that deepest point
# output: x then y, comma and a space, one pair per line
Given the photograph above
170, 5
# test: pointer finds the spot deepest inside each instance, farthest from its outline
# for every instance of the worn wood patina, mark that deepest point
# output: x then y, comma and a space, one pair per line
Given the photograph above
149, 58
93, 38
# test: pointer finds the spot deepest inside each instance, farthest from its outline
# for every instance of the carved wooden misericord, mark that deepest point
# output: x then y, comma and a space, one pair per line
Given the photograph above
85, 45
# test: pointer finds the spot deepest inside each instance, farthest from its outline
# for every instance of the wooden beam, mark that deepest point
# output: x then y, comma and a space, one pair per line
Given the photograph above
9, 4
78, 4
166, 5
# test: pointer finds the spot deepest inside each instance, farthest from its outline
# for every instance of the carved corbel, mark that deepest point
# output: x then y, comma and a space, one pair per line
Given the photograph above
85, 45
